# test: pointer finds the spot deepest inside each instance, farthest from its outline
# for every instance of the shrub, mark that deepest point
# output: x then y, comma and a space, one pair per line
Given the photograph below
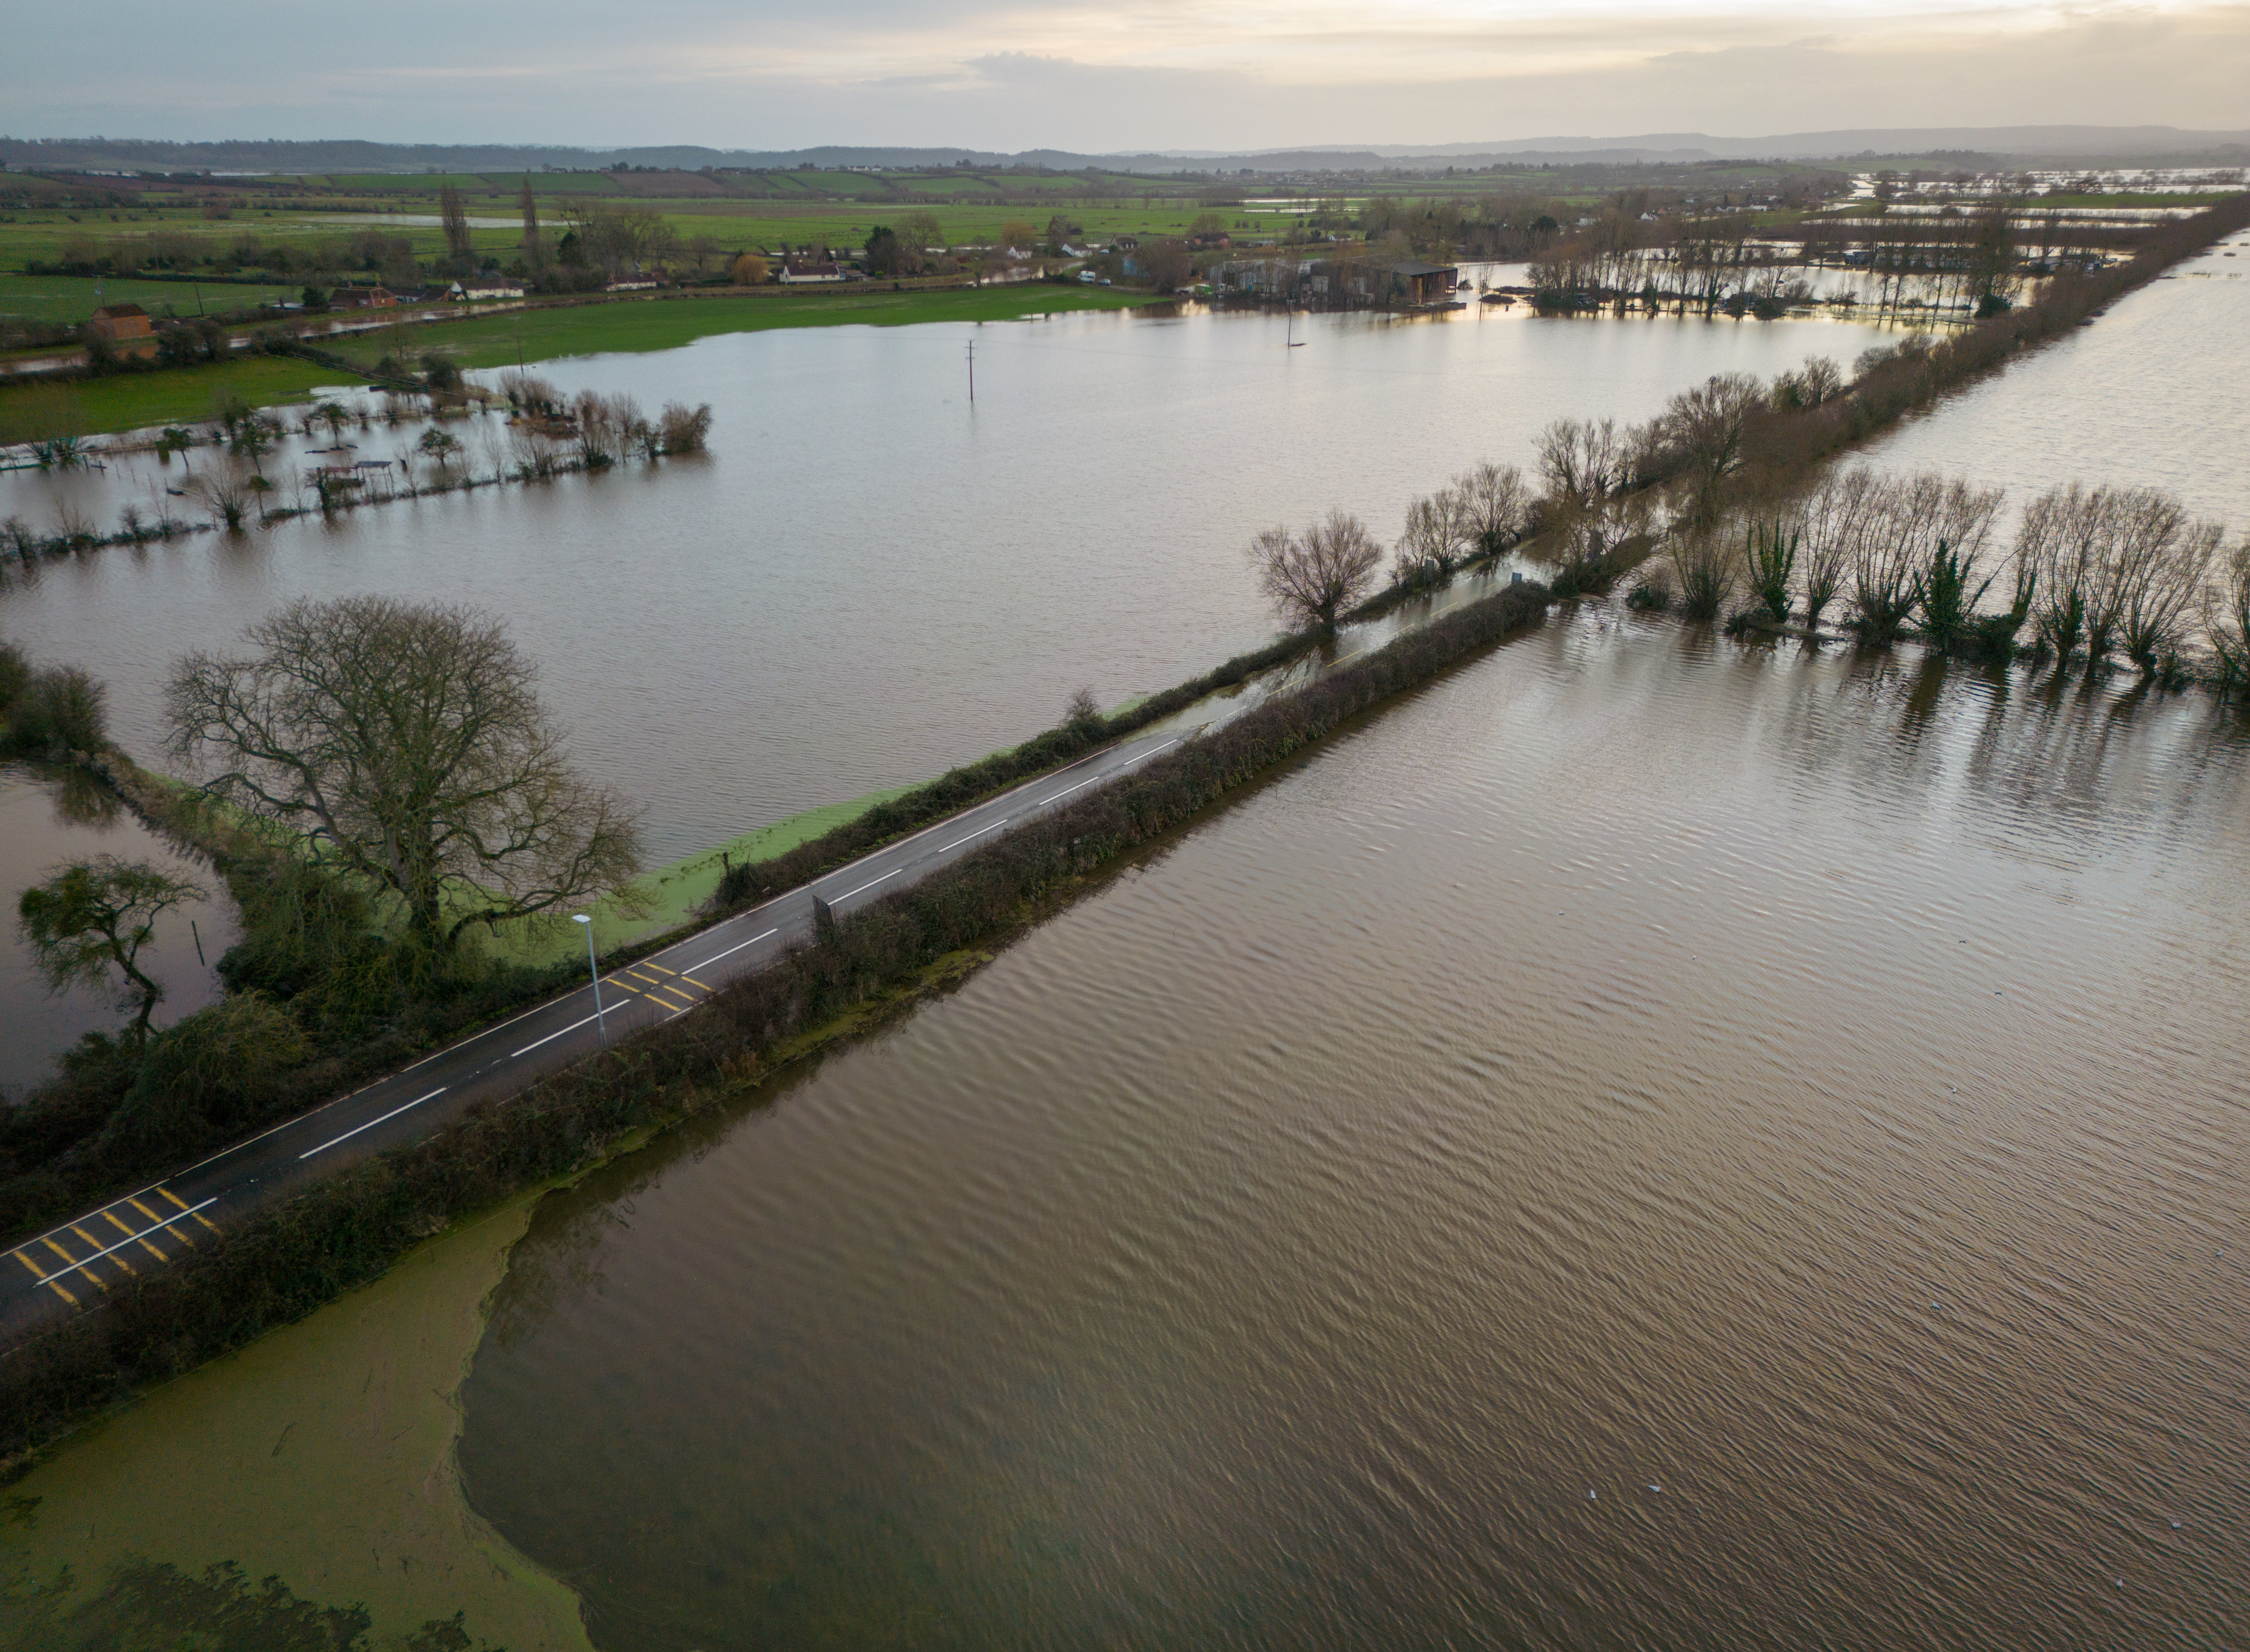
1650, 596
681, 429
15, 677
1771, 556
61, 709
1705, 563
218, 1072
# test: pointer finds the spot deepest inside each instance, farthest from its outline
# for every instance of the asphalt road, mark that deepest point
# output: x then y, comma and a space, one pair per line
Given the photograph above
71, 1266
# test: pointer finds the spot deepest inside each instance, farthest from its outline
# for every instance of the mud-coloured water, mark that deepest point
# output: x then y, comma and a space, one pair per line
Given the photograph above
49, 818
867, 579
1649, 1143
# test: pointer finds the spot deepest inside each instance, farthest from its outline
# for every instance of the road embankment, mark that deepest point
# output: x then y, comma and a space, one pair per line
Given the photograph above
279, 1265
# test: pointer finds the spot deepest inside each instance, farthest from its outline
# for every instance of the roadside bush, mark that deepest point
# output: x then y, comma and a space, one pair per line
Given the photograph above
280, 1264
215, 1073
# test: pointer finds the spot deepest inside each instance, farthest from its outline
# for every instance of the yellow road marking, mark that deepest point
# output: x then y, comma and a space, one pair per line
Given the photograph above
44, 1279
649, 989
691, 981
182, 1204
96, 1243
75, 1263
135, 1234
153, 1217
647, 963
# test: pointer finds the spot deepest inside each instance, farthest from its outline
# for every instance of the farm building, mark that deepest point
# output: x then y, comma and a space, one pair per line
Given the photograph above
120, 323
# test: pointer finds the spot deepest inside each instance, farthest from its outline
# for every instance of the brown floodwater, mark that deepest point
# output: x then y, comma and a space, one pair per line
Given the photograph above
1648, 1143
48, 818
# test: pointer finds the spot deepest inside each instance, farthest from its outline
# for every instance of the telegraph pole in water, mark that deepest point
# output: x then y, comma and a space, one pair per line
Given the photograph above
972, 372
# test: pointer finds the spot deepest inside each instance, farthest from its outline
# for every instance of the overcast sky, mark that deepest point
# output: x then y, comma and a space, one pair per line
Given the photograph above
1117, 75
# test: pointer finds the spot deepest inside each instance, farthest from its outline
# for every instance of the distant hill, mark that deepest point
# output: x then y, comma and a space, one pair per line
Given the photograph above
2069, 145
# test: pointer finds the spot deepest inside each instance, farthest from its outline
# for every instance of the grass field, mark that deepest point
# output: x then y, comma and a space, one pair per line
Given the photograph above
136, 401
64, 297
178, 395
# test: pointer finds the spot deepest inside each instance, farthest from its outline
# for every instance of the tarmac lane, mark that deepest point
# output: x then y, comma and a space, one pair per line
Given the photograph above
74, 1265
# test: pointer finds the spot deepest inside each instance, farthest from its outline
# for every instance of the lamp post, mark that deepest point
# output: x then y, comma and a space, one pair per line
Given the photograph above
595, 972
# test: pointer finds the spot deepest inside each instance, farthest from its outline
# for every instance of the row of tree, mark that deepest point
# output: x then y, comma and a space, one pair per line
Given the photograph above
2094, 574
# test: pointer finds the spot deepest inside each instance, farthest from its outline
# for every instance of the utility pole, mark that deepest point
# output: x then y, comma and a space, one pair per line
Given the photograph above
972, 372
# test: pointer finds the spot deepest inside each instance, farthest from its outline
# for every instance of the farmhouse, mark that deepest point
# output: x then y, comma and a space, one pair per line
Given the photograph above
796, 269
363, 298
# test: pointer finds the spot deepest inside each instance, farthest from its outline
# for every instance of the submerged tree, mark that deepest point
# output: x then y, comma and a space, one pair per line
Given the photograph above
406, 742
1310, 576
94, 916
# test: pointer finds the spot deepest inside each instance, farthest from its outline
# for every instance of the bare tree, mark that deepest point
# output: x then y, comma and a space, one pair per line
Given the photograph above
2061, 539
408, 742
1581, 461
1496, 502
1310, 576
1832, 521
93, 916
1908, 522
2226, 616
226, 490
1707, 562
1701, 433
1168, 265
1438, 532
2170, 578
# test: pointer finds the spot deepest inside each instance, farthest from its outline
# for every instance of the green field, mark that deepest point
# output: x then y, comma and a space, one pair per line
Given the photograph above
138, 401
179, 395
68, 297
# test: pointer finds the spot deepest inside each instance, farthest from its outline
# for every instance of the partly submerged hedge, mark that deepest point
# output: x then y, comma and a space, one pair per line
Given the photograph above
278, 1265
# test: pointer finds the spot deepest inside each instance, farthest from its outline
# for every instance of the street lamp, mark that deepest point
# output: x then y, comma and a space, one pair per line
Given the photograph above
594, 971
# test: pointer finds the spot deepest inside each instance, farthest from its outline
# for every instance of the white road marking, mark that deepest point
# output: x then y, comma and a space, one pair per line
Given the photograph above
869, 885
1068, 790
972, 836
487, 1032
121, 1243
371, 1123
552, 1037
730, 951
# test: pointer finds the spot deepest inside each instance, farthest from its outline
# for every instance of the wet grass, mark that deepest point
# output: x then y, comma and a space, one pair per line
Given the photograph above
139, 400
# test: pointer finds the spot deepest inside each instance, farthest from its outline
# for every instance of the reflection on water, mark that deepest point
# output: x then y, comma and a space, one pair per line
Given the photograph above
868, 581
1650, 1143
49, 816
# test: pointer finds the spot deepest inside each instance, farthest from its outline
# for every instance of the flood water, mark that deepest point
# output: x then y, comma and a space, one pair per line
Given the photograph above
48, 818
868, 581
1648, 1143
2153, 395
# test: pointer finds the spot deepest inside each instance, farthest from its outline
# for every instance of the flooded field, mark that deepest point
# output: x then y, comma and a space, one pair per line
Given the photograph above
1650, 1143
48, 818
867, 580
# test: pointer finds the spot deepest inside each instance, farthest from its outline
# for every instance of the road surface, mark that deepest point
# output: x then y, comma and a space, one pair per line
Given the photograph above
73, 1266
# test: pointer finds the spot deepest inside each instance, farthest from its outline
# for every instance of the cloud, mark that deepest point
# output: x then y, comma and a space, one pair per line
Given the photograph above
1135, 75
